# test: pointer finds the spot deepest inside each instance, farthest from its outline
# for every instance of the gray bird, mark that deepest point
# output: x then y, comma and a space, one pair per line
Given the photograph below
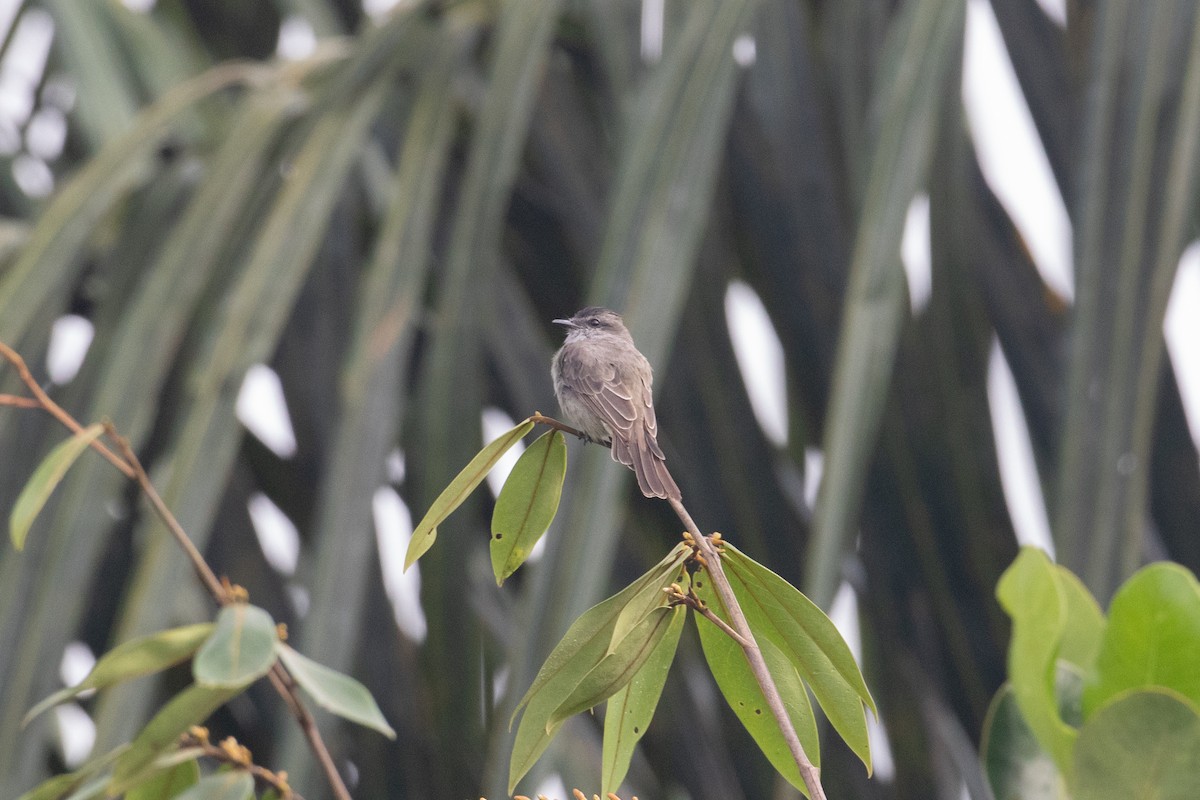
603, 386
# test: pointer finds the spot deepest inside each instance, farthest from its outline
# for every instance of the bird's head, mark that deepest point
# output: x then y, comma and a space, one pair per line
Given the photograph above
594, 322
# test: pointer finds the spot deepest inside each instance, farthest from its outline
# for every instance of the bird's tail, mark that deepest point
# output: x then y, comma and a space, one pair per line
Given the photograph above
642, 454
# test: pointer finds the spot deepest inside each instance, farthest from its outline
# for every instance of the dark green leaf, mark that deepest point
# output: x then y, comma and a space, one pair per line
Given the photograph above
337, 693
45, 478
779, 612
584, 645
732, 673
629, 711
527, 503
135, 658
618, 667
1016, 765
458, 490
240, 651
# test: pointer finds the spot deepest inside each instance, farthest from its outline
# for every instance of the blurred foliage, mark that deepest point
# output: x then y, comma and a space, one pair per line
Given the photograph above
391, 220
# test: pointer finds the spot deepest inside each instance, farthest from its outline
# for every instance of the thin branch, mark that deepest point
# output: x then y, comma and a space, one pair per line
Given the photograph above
696, 604
48, 405
551, 422
236, 755
745, 637
131, 467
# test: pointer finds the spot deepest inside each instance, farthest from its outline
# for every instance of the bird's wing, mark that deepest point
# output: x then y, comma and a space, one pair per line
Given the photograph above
603, 393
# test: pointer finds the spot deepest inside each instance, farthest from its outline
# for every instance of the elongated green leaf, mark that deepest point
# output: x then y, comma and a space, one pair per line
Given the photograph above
778, 611
1152, 638
1029, 591
527, 503
1141, 746
63, 785
337, 693
142, 656
166, 763
629, 711
458, 490
735, 680
235, 785
1084, 631
240, 651
169, 783
190, 707
618, 667
47, 476
584, 645
923, 45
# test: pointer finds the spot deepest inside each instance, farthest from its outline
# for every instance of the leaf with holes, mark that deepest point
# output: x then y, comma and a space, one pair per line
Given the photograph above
459, 489
527, 503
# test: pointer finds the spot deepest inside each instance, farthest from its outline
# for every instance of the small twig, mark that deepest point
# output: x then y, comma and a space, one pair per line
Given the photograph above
207, 576
693, 602
236, 755
551, 422
132, 468
758, 666
48, 405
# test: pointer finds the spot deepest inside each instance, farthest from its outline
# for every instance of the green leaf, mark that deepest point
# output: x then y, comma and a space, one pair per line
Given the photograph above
1141, 746
779, 612
45, 478
1084, 629
458, 490
629, 711
583, 646
1152, 638
1016, 765
145, 655
337, 693
190, 707
240, 651
527, 503
1030, 593
618, 667
234, 785
167, 784
732, 673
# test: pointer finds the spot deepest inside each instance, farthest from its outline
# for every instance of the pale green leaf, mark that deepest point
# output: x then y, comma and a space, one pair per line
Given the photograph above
190, 707
240, 650
44, 480
337, 693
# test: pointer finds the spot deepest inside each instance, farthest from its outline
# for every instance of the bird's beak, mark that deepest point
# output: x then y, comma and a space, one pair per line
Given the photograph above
566, 322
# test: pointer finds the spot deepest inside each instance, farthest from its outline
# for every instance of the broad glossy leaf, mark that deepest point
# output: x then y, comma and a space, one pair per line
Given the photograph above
779, 612
582, 647
1084, 630
45, 478
1029, 591
241, 649
458, 490
1152, 638
527, 503
1016, 765
737, 684
629, 711
337, 693
618, 667
190, 707
169, 783
1141, 746
135, 658
234, 785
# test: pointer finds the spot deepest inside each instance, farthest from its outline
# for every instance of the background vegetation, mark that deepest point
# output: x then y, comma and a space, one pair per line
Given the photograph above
391, 221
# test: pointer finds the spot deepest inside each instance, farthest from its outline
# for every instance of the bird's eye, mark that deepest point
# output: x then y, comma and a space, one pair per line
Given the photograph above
595, 323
